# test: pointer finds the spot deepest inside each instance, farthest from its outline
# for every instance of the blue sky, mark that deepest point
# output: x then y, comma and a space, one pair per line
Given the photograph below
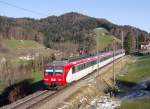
122, 12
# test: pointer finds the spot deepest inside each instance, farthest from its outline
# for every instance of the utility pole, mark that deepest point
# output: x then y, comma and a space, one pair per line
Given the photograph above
122, 39
114, 76
122, 42
97, 37
137, 35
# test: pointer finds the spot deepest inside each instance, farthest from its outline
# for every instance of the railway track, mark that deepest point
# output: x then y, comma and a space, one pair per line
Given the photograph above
35, 100
45, 99
30, 100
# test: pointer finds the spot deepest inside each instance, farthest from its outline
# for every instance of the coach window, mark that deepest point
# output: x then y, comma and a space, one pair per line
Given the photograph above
110, 55
82, 66
88, 64
73, 70
102, 59
77, 68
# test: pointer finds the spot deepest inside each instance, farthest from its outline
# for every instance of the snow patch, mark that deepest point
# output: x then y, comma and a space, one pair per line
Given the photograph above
104, 102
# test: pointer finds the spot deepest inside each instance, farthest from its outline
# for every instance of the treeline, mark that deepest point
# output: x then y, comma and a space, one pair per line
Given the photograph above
71, 27
11, 28
12, 72
16, 78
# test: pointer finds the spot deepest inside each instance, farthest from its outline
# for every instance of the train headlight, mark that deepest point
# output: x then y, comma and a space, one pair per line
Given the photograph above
46, 79
46, 74
53, 79
59, 79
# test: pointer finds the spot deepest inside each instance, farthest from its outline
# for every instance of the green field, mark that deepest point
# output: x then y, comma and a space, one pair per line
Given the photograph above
38, 75
136, 104
138, 71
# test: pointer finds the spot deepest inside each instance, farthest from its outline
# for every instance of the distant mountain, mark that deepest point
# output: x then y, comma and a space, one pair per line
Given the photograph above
70, 27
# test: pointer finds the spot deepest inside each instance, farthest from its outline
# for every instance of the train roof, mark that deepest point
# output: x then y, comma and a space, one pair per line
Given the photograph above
80, 61
90, 58
58, 63
76, 62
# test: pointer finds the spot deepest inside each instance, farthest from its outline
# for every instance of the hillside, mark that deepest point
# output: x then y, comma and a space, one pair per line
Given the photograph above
104, 40
70, 27
13, 49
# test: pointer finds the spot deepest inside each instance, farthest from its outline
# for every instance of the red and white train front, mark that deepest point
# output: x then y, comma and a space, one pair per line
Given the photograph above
54, 74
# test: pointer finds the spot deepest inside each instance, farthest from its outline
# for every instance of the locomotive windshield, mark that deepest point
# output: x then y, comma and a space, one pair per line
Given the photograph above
54, 71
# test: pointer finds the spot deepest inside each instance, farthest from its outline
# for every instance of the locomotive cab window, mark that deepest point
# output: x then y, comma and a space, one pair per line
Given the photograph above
54, 71
58, 72
49, 72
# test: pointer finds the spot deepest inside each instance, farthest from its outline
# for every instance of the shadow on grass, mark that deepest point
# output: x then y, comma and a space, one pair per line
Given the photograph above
141, 55
122, 83
129, 90
124, 87
20, 90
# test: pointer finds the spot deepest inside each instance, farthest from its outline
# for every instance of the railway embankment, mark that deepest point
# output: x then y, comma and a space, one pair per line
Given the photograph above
132, 75
97, 90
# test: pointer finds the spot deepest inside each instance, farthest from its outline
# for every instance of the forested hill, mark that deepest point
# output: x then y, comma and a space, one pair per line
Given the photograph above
73, 28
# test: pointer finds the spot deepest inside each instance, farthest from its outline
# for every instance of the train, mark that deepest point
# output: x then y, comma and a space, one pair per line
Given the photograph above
61, 73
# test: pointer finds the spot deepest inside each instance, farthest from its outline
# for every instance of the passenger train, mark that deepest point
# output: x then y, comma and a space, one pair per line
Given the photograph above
62, 73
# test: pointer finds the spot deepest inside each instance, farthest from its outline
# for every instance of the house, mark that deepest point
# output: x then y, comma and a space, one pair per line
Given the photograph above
145, 46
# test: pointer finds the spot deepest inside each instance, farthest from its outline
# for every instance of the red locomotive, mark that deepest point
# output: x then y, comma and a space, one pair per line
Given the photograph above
61, 73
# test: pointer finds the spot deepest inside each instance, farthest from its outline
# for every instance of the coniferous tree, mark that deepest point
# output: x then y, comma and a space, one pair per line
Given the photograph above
127, 44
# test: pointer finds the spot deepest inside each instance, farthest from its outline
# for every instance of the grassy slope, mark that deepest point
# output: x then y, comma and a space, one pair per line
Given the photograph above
16, 48
105, 39
137, 72
22, 44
